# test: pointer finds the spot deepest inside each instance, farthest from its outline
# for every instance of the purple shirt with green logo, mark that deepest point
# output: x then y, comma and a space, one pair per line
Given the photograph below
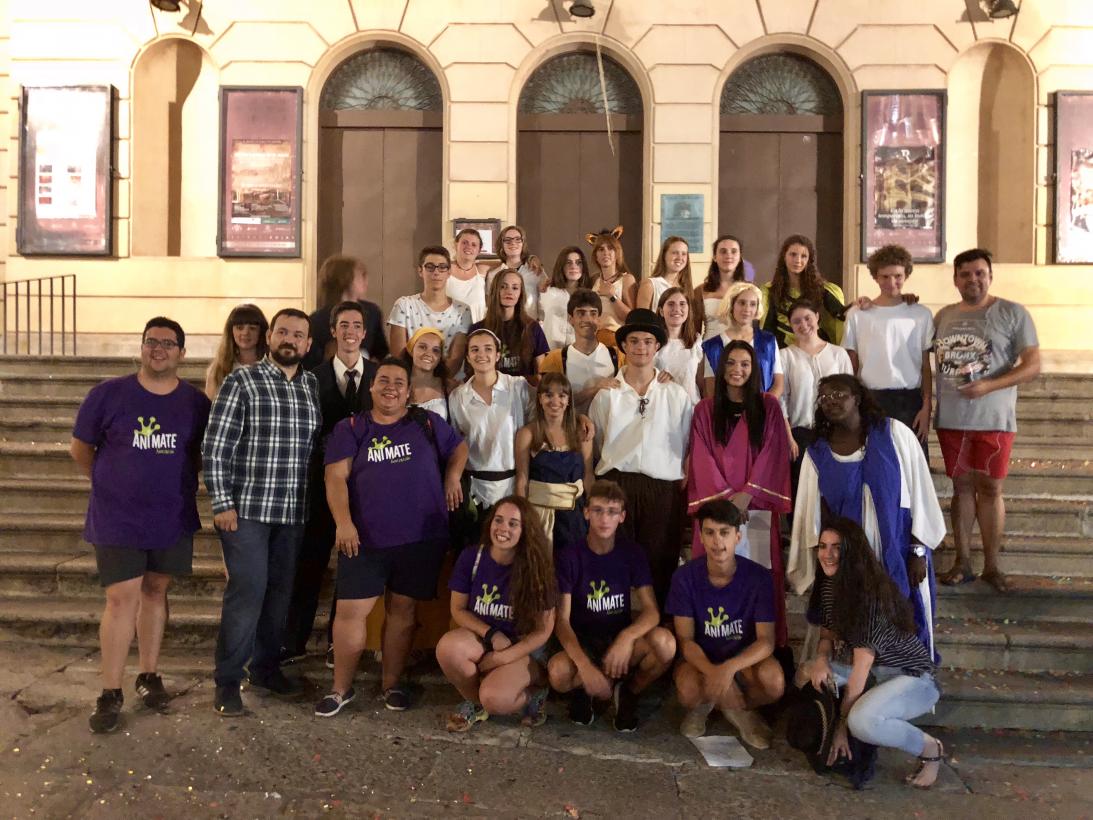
486, 587
144, 477
396, 484
600, 586
724, 618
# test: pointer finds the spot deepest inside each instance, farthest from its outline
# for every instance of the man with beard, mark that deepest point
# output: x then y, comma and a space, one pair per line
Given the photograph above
261, 432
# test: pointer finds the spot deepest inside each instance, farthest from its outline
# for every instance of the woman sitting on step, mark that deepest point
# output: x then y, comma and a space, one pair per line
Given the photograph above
867, 629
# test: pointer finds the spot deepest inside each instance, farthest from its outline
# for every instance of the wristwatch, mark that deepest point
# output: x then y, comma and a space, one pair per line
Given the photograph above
918, 551
613, 299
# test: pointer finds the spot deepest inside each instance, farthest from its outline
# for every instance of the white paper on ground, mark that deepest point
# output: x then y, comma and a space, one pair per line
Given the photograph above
723, 750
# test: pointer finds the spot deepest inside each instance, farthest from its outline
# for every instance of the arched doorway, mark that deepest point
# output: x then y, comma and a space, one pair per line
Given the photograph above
569, 181
781, 160
381, 166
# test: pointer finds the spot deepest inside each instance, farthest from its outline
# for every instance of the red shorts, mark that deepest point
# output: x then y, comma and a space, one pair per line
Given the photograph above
987, 451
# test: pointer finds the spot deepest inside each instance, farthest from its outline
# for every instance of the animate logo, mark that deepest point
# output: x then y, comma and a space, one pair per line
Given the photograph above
487, 604
598, 600
148, 437
719, 625
384, 450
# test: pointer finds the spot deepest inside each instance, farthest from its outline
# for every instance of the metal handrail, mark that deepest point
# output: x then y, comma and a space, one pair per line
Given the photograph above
20, 294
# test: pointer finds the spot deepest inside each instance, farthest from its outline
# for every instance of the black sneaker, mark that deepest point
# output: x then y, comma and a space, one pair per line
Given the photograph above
107, 711
626, 709
150, 688
227, 701
396, 699
580, 708
334, 703
275, 682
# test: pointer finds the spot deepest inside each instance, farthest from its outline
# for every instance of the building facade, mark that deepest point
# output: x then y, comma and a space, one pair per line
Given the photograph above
420, 112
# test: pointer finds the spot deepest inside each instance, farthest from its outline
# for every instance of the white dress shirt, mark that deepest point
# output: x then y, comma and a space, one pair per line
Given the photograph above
803, 374
490, 431
642, 434
340, 370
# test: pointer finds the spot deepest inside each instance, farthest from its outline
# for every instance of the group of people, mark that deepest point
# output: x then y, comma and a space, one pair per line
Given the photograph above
557, 433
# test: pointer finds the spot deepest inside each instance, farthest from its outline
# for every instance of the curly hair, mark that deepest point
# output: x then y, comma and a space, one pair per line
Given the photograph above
888, 255
538, 421
870, 412
812, 283
713, 275
533, 588
754, 412
557, 276
862, 586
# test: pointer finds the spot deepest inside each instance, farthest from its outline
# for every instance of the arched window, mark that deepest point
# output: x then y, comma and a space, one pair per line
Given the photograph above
570, 84
780, 84
382, 79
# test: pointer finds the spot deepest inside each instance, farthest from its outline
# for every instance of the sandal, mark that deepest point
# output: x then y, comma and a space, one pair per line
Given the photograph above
466, 715
535, 710
957, 576
922, 761
997, 580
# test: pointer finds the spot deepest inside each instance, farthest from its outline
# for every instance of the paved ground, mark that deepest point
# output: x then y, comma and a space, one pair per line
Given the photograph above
280, 760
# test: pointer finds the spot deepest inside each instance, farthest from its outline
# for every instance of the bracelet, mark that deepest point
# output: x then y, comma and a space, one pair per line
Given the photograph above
487, 639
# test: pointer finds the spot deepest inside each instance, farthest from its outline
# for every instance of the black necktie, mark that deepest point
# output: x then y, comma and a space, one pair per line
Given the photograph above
351, 388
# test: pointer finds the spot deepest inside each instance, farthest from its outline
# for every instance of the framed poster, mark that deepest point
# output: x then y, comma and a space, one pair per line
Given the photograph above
903, 172
260, 169
1073, 177
681, 215
66, 136
488, 229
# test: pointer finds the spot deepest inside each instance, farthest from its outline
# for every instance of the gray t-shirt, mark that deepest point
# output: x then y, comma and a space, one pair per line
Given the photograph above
978, 344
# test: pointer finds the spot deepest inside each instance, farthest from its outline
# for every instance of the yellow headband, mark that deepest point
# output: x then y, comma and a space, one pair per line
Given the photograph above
425, 331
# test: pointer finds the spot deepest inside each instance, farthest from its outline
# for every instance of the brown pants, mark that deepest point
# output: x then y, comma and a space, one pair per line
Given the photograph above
654, 519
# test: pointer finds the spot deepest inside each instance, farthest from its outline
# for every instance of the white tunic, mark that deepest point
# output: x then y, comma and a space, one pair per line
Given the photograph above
471, 292
916, 493
683, 363
653, 442
803, 372
490, 431
553, 311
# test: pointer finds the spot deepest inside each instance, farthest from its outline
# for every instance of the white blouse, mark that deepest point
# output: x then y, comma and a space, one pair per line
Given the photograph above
802, 375
683, 363
471, 292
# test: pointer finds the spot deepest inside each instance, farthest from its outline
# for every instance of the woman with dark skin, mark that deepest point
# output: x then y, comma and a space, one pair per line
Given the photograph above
866, 627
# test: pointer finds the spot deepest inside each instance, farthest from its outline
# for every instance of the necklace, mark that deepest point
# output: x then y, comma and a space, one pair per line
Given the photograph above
467, 269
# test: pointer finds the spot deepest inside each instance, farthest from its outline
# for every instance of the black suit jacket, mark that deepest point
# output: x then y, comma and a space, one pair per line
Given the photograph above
332, 403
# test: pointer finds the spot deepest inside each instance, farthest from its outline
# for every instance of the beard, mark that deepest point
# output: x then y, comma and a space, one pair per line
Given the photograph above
286, 355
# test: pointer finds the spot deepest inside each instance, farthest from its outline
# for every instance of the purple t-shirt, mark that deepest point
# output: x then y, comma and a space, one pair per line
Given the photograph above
724, 618
396, 484
143, 479
600, 585
486, 587
510, 359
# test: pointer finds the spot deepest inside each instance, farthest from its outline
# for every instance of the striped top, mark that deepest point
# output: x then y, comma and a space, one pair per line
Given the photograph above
891, 646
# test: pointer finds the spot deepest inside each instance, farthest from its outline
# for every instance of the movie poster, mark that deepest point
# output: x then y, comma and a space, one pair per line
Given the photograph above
905, 187
1073, 177
260, 172
1081, 189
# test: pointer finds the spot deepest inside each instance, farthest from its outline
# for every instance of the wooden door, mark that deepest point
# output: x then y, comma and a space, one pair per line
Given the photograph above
781, 176
380, 188
569, 182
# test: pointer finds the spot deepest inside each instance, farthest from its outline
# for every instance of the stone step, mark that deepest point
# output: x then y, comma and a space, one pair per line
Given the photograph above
1039, 515
63, 385
98, 367
1053, 407
1054, 385
1054, 477
61, 533
66, 496
22, 459
1032, 598
1017, 646
1034, 555
1013, 700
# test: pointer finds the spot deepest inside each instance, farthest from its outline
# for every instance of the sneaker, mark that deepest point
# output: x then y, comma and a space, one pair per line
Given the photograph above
334, 703
396, 699
626, 709
227, 701
330, 657
580, 708
694, 725
535, 710
466, 715
107, 711
150, 688
753, 729
275, 682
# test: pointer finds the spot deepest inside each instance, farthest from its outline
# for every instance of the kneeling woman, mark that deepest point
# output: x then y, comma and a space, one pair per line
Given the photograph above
866, 628
503, 596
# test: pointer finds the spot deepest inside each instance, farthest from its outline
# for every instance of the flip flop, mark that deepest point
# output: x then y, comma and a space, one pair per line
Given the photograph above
998, 581
952, 578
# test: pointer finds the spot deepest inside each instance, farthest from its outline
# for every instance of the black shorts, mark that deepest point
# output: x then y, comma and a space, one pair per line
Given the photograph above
411, 570
594, 646
117, 564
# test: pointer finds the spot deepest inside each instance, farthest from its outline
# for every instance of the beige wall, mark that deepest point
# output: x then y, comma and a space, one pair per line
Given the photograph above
680, 53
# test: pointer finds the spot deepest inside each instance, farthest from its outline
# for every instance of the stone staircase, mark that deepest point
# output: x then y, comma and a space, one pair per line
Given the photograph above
1018, 661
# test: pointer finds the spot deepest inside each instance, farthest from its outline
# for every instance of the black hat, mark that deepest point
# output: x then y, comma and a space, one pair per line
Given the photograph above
810, 728
641, 319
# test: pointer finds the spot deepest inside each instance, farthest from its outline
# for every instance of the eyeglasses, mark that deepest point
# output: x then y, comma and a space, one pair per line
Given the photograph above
513, 240
166, 344
429, 267
834, 395
642, 404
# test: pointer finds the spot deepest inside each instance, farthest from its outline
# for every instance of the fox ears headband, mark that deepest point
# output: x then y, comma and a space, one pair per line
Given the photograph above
616, 232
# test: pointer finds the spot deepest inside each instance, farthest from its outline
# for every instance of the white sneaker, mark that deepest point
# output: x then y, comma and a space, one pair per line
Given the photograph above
694, 725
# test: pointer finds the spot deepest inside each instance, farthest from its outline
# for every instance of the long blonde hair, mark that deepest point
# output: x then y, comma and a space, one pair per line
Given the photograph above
228, 352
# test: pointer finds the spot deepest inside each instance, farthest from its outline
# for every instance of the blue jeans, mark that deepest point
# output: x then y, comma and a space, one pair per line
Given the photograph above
880, 715
261, 562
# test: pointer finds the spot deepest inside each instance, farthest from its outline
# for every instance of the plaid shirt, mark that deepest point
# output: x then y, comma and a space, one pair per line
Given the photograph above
261, 432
